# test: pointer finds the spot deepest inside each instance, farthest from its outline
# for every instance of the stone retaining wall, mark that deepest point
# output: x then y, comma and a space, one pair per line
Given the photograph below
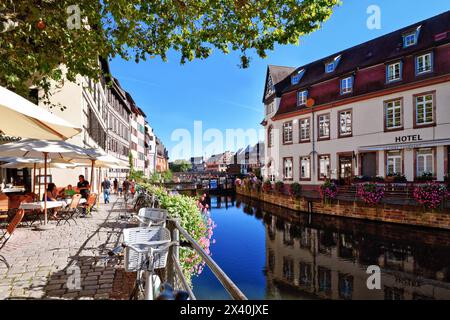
402, 214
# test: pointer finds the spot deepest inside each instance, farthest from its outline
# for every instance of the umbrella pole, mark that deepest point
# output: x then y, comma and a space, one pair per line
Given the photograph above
34, 178
45, 187
98, 187
39, 184
92, 175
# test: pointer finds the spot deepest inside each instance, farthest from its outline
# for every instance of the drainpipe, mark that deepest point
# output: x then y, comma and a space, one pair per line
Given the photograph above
313, 137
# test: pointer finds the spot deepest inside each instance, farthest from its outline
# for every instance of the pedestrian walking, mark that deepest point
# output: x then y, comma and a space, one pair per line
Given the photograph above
126, 189
116, 185
106, 187
120, 188
132, 188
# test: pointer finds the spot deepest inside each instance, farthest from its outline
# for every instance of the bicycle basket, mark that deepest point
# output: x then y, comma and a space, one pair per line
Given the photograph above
154, 215
144, 239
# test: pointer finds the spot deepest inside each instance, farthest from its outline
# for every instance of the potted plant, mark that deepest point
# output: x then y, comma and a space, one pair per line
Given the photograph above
430, 195
370, 193
295, 190
267, 186
447, 180
328, 191
279, 187
425, 177
400, 178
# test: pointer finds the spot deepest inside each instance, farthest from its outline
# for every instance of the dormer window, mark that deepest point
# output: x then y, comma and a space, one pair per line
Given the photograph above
332, 65
295, 79
410, 38
302, 98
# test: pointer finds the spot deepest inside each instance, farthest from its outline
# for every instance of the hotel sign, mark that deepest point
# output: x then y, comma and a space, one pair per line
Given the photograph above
409, 138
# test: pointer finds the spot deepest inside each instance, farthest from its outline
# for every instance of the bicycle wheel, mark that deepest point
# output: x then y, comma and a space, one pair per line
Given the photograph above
138, 292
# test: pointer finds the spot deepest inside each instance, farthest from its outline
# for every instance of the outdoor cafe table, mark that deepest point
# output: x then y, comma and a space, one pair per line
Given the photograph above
13, 190
38, 207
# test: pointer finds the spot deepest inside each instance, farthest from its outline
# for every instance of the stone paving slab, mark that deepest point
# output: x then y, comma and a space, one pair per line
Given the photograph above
63, 263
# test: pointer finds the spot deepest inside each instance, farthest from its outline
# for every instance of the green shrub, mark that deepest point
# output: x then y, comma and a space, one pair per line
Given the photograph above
279, 187
295, 190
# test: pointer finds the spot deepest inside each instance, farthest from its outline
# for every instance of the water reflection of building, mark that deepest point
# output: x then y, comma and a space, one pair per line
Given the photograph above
310, 262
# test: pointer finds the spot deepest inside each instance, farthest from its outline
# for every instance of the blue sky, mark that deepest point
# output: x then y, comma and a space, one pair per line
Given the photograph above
223, 96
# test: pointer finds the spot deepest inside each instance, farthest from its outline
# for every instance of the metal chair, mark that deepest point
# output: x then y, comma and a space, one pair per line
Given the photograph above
9, 231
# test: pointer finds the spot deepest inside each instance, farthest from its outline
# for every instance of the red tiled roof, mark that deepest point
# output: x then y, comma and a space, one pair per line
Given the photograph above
434, 32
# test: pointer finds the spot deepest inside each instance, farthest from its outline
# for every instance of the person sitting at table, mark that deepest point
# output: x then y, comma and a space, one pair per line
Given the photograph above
83, 186
51, 194
69, 191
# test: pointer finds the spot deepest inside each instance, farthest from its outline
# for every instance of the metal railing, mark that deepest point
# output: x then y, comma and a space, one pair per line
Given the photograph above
174, 269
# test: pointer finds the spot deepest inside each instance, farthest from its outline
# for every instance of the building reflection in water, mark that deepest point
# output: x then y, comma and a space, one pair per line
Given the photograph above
329, 260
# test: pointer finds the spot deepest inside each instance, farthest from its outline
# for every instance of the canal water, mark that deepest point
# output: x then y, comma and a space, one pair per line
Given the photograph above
275, 253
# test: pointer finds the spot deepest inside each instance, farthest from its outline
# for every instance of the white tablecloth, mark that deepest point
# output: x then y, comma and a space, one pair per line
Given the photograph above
10, 190
40, 205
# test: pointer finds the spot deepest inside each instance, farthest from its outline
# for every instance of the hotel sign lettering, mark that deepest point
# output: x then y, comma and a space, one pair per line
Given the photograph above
410, 138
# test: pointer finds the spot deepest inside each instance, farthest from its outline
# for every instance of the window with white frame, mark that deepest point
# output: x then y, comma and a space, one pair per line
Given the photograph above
424, 109
424, 162
302, 98
287, 168
324, 167
346, 85
304, 129
305, 168
287, 132
424, 63
270, 137
394, 72
269, 108
409, 39
345, 123
394, 162
324, 126
393, 112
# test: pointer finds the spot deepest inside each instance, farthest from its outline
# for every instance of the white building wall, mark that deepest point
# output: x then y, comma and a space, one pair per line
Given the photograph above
368, 130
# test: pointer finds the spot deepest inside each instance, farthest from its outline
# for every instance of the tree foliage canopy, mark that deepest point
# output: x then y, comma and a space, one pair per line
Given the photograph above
35, 37
180, 166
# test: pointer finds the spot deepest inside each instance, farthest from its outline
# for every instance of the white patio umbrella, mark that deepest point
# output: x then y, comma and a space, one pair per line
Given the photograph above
37, 164
34, 149
104, 160
22, 118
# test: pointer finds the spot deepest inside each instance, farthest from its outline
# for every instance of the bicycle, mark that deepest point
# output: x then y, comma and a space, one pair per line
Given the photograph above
144, 257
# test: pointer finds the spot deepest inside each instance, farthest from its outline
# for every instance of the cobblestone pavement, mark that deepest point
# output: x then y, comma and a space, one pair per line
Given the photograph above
63, 262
